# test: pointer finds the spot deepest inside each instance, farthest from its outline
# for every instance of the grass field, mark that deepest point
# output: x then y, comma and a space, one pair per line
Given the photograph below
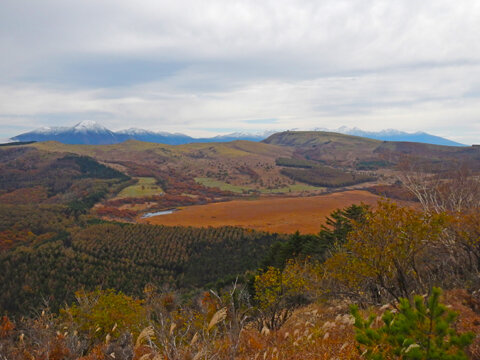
246, 188
146, 186
283, 215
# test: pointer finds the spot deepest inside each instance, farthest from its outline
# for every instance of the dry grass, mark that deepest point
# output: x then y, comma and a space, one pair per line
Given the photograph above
218, 317
326, 331
314, 332
283, 215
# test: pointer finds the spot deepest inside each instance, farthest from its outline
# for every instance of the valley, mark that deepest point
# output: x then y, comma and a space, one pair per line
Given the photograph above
160, 234
277, 215
240, 181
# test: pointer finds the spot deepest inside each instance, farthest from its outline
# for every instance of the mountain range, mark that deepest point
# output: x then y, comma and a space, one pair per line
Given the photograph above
91, 133
396, 135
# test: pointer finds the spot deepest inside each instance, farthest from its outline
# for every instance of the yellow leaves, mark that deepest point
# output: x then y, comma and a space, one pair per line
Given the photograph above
347, 269
273, 284
386, 247
103, 312
268, 287
467, 228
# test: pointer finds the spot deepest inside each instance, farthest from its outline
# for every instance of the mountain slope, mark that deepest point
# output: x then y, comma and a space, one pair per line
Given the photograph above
154, 137
89, 132
347, 150
326, 146
86, 132
396, 135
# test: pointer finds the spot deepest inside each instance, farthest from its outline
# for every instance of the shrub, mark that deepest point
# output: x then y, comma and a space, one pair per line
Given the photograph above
103, 312
420, 331
278, 293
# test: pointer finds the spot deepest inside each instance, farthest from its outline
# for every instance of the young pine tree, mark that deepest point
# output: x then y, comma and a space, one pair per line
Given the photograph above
422, 331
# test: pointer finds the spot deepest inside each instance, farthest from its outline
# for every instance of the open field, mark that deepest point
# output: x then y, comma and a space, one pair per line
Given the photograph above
284, 215
145, 186
295, 188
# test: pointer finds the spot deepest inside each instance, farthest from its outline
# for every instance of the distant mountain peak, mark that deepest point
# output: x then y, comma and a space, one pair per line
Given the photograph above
89, 125
132, 131
91, 132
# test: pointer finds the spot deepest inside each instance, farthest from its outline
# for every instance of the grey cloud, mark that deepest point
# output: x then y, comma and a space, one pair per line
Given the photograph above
213, 64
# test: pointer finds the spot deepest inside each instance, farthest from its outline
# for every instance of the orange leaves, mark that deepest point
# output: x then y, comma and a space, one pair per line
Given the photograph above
6, 327
12, 237
97, 353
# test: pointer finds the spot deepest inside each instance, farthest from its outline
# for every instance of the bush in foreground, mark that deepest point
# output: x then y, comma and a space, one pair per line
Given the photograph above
423, 331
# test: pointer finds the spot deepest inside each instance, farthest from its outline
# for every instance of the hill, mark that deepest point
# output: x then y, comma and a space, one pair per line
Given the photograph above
29, 175
289, 164
348, 150
325, 146
396, 135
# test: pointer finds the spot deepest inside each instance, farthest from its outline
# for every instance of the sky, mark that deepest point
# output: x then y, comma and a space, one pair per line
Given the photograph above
218, 66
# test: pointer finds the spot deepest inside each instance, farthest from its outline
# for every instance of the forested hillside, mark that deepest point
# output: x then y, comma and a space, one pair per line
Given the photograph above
48, 255
298, 304
28, 175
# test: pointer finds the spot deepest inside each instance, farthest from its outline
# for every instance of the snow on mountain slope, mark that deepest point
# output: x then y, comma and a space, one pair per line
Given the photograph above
91, 132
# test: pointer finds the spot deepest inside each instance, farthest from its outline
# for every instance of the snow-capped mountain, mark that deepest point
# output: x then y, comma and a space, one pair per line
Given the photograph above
85, 132
254, 136
89, 126
91, 133
395, 135
152, 136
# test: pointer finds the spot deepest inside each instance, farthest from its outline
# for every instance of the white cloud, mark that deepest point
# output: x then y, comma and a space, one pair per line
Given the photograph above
185, 65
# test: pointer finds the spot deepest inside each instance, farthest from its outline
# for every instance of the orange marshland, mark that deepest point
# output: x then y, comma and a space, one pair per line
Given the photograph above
284, 215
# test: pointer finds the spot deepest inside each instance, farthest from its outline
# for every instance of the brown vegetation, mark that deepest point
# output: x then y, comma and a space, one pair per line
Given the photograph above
378, 257
107, 325
284, 215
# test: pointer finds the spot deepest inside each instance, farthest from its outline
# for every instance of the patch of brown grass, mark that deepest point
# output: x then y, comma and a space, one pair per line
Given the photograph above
468, 309
315, 332
283, 215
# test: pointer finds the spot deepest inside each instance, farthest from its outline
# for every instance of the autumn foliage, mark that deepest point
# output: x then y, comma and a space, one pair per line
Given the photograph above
160, 300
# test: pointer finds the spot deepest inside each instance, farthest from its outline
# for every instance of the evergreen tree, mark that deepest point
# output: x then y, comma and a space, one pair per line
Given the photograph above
422, 331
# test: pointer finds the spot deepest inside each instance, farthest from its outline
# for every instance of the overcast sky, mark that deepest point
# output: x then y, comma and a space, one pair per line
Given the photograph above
208, 67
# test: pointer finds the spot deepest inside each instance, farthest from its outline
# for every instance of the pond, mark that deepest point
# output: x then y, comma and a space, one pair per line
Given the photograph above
164, 212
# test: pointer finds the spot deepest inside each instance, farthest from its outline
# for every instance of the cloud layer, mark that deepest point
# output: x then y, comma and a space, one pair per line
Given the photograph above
212, 66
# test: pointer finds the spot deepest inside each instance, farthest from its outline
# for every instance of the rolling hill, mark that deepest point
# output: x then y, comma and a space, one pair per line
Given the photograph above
285, 164
348, 150
396, 135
